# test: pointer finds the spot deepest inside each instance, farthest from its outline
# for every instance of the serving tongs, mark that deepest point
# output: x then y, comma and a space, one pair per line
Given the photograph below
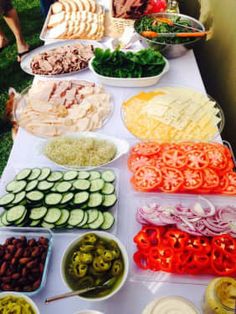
172, 23
79, 292
152, 34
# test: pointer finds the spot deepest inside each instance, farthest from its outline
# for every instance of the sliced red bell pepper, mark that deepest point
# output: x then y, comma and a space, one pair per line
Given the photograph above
142, 241
176, 239
141, 260
223, 264
225, 243
198, 244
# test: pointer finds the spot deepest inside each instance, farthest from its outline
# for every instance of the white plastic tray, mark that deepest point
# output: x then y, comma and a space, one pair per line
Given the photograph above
11, 171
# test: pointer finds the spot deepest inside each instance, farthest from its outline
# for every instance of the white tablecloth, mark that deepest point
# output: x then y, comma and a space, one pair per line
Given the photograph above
134, 296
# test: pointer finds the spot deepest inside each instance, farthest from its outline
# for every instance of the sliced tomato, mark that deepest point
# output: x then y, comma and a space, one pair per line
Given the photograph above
197, 160
158, 162
217, 158
174, 158
146, 148
147, 178
189, 146
223, 184
192, 179
210, 179
137, 161
230, 188
172, 179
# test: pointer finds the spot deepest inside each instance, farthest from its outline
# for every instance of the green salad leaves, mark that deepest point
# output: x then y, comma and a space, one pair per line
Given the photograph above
117, 63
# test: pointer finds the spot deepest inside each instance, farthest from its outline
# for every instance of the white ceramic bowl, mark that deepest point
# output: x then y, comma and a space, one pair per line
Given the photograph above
21, 295
122, 147
122, 248
130, 82
88, 312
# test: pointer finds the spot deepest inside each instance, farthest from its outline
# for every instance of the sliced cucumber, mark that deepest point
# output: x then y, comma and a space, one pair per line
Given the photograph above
83, 175
65, 214
16, 186
95, 200
23, 174
108, 188
35, 196
92, 215
19, 198
38, 213
70, 175
86, 226
84, 221
15, 213
67, 197
52, 216
35, 223
76, 217
4, 219
109, 200
53, 199
63, 187
22, 220
31, 185
45, 172
108, 221
35, 173
94, 175
108, 176
81, 184
44, 224
7, 199
45, 185
81, 197
98, 222
55, 176
96, 185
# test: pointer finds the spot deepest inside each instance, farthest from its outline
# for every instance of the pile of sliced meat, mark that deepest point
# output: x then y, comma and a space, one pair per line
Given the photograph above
57, 107
65, 59
129, 9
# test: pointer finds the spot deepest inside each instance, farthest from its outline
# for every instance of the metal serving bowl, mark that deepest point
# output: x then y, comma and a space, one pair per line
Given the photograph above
171, 50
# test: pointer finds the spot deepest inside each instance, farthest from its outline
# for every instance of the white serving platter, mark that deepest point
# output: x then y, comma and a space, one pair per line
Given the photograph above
25, 63
130, 82
122, 147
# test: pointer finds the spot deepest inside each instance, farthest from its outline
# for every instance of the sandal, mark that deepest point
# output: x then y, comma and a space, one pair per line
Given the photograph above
22, 54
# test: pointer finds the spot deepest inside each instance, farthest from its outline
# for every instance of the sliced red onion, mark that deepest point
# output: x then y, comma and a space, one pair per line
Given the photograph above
211, 206
167, 219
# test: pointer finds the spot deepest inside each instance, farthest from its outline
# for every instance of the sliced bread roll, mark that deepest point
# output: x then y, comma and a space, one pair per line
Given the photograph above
56, 19
80, 5
92, 5
66, 4
86, 5
58, 31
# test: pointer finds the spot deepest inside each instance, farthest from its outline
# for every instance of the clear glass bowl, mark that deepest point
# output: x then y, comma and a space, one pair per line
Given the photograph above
220, 115
29, 233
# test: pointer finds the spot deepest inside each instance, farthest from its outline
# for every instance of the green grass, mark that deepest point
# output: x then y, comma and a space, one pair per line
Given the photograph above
11, 74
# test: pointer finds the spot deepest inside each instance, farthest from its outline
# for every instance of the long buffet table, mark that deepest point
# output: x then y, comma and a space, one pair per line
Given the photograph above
133, 297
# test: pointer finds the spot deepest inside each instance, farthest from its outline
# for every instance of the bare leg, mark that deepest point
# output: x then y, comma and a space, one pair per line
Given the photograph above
3, 39
13, 22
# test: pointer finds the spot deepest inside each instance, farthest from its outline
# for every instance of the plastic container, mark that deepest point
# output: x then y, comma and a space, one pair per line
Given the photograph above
130, 82
29, 233
23, 296
11, 171
122, 248
148, 276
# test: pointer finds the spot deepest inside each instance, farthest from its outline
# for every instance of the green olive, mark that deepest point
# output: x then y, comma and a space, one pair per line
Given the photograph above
80, 270
90, 238
86, 258
117, 268
107, 255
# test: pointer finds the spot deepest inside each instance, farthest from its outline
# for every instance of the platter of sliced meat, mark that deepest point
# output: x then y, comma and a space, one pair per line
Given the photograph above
60, 58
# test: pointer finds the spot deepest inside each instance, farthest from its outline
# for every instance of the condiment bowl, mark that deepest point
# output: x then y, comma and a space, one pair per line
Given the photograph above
20, 295
171, 50
103, 235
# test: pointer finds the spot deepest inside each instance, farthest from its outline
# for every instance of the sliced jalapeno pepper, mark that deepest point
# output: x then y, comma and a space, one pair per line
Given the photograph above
117, 268
107, 255
80, 270
100, 265
90, 238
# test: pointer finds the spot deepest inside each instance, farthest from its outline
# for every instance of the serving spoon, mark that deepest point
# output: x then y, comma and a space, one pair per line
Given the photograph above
77, 292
